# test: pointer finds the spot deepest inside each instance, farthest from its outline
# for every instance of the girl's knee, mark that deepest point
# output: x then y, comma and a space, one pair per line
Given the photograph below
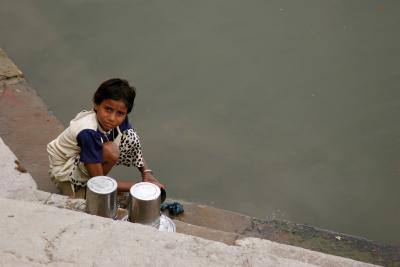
110, 152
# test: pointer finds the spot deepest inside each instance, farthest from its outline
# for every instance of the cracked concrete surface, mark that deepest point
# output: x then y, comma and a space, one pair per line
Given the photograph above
42, 235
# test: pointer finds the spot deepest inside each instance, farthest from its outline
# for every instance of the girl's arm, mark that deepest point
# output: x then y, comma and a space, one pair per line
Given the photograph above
148, 176
94, 169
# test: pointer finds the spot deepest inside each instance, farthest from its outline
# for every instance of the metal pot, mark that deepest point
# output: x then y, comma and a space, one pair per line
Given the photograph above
101, 196
145, 201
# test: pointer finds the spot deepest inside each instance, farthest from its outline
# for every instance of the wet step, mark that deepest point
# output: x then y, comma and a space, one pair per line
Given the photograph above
227, 226
228, 238
213, 218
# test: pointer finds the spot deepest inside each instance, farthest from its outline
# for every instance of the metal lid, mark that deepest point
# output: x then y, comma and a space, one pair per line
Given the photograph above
145, 191
102, 184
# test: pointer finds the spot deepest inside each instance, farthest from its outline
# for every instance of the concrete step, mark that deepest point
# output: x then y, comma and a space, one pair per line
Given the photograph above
228, 238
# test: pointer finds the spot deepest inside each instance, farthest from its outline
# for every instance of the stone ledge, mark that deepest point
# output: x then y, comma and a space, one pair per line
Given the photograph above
22, 112
8, 69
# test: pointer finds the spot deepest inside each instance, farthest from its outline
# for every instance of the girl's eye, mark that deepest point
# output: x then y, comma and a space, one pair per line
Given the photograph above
121, 113
108, 109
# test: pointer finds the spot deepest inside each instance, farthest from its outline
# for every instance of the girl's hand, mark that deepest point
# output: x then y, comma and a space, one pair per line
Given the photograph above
148, 177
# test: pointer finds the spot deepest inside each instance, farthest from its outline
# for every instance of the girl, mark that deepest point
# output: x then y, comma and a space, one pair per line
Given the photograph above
96, 140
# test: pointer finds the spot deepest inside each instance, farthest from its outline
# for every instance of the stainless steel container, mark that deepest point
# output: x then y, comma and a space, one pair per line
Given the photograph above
101, 196
145, 201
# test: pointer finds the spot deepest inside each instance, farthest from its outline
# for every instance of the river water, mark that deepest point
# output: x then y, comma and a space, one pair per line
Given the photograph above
276, 109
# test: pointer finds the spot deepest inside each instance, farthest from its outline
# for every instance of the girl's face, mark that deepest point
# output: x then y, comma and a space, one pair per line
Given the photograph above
111, 113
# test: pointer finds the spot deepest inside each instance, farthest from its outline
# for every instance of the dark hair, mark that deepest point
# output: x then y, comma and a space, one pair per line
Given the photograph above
116, 89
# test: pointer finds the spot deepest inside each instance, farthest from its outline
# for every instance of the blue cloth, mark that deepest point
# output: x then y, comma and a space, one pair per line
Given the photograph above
174, 208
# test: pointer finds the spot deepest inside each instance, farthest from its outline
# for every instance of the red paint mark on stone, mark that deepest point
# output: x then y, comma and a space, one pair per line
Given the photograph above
10, 98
